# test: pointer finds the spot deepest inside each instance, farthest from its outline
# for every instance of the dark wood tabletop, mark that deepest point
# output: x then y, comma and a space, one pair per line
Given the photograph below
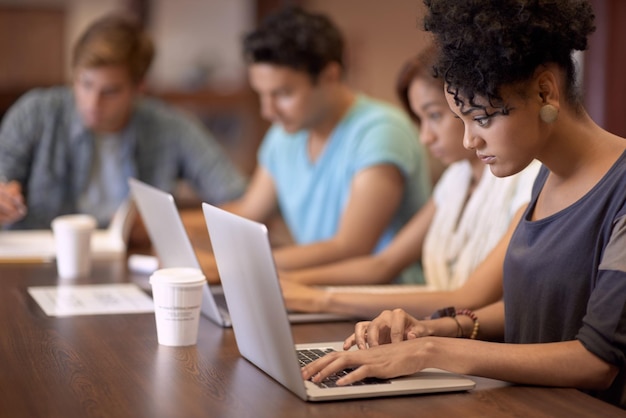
112, 366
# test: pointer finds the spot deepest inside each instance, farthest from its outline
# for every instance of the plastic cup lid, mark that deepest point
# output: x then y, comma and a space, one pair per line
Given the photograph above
77, 221
177, 276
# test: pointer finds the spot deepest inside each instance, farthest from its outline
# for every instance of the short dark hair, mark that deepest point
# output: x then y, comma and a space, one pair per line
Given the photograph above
115, 40
419, 66
488, 44
297, 39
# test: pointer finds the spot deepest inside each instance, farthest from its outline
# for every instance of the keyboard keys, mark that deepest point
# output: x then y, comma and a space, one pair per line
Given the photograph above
307, 356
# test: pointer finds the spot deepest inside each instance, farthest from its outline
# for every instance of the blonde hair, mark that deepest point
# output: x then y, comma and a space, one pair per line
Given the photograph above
115, 40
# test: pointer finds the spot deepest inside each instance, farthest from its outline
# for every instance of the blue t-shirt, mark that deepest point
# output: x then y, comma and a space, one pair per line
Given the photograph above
312, 195
565, 275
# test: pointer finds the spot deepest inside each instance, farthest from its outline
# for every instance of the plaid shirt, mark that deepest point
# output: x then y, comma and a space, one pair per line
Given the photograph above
45, 147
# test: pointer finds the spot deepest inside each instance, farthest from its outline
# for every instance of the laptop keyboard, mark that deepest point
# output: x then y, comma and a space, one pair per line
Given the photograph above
307, 356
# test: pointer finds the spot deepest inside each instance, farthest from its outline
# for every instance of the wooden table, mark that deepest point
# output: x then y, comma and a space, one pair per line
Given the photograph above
112, 366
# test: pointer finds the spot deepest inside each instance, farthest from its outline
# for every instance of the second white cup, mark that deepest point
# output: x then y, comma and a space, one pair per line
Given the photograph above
72, 238
177, 294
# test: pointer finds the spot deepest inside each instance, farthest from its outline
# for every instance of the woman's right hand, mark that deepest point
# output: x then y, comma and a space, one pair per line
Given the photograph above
302, 298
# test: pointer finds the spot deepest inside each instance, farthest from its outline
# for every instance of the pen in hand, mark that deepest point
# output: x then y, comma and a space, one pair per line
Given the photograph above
12, 207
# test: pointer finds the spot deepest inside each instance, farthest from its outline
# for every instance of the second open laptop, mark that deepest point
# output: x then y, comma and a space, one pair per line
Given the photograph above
173, 249
262, 330
171, 243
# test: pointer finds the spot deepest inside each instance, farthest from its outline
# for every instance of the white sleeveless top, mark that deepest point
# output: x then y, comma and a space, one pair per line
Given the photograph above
463, 233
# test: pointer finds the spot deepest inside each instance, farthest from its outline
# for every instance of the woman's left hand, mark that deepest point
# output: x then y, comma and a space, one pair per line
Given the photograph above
388, 327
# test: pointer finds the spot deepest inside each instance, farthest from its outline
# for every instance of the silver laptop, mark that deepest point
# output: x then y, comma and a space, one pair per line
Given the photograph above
171, 243
173, 248
262, 330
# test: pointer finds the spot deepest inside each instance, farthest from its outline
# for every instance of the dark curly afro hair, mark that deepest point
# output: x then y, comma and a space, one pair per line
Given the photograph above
488, 44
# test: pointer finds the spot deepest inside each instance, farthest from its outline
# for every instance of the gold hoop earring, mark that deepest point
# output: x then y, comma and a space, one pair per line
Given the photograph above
548, 113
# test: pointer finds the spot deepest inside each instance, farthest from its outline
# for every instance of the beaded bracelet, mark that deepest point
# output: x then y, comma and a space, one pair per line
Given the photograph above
472, 315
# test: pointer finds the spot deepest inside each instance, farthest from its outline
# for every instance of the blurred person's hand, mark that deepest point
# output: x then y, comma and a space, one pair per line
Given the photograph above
12, 206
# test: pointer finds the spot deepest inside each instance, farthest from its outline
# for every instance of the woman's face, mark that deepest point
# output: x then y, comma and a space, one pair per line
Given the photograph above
507, 143
440, 130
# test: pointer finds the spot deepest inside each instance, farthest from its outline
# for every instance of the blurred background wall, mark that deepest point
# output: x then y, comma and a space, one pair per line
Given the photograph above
199, 40
199, 65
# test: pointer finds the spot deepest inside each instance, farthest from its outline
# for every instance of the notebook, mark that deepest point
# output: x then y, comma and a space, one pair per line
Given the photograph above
262, 329
173, 249
17, 246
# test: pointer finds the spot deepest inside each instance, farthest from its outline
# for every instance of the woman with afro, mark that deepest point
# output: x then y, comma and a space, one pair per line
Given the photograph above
509, 76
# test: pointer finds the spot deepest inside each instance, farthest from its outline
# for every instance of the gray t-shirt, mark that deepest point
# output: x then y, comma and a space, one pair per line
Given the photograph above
107, 187
45, 147
565, 275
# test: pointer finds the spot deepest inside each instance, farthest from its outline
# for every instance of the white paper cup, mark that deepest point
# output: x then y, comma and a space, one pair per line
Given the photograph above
177, 295
72, 238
